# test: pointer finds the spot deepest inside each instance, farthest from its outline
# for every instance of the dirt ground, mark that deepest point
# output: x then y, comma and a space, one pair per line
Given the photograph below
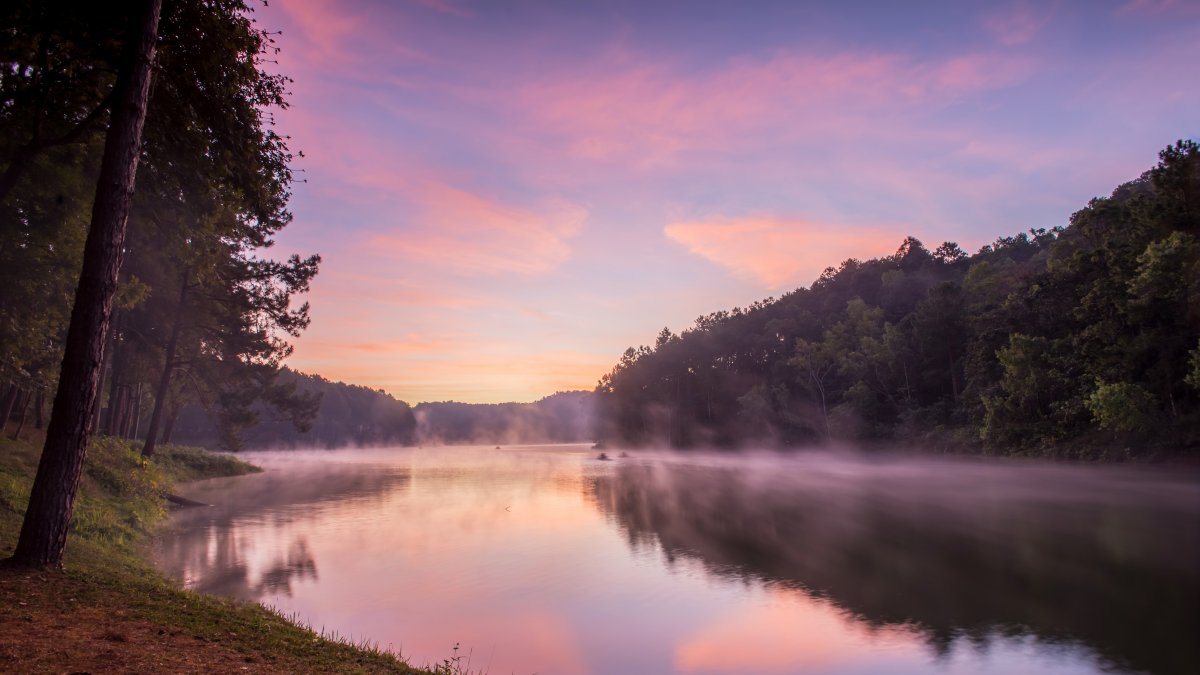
51, 623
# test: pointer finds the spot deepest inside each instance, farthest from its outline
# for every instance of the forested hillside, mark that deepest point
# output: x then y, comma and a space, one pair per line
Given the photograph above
564, 417
1075, 340
346, 415
349, 415
202, 314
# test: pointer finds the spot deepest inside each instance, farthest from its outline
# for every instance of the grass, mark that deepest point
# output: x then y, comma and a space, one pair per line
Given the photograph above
184, 463
109, 610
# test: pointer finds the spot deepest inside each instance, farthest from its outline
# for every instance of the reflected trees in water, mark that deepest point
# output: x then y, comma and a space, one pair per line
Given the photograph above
970, 551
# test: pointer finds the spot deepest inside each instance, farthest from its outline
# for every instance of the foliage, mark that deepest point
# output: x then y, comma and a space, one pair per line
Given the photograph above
127, 500
185, 463
347, 415
1039, 341
202, 316
1121, 406
564, 417
1193, 376
352, 415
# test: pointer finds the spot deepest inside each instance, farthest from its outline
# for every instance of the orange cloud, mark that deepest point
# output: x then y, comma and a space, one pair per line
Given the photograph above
409, 344
781, 252
458, 368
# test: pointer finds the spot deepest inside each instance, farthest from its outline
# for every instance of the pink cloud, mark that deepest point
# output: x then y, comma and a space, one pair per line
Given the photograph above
471, 233
781, 252
446, 7
327, 37
327, 28
1017, 24
354, 278
1014, 152
1159, 7
651, 114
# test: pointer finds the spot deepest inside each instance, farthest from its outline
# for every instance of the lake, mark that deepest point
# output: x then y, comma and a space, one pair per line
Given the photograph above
543, 559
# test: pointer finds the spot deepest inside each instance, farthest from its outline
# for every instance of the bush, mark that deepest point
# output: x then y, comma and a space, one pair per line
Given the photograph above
1121, 406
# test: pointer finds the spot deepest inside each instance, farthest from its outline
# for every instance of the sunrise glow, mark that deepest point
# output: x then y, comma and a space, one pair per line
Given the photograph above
490, 182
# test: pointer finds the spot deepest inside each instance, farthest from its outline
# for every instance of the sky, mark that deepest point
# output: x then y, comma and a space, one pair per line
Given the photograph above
506, 195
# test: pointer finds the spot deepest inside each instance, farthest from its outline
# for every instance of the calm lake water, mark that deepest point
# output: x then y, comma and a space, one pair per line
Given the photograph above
545, 560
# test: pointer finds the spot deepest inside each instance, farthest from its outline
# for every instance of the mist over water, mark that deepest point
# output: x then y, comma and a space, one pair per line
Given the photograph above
951, 549
543, 559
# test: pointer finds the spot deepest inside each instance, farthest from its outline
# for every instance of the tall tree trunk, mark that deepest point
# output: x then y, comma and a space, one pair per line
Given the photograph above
172, 416
116, 365
127, 408
96, 407
110, 410
95, 428
24, 410
39, 407
124, 421
164, 381
116, 410
136, 413
6, 405
43, 536
953, 382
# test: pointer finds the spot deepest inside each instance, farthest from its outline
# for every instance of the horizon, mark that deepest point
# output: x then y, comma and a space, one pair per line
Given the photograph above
927, 398
507, 198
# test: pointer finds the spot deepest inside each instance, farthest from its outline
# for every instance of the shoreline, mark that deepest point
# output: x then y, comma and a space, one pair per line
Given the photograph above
110, 609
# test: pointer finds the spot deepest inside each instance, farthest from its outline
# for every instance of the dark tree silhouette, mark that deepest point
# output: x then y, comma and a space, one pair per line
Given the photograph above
1077, 341
44, 532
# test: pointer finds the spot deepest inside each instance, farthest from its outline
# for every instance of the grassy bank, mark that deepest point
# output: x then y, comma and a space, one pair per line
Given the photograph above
111, 611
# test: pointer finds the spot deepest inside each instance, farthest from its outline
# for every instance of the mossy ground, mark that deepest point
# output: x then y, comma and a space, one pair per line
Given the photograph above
110, 611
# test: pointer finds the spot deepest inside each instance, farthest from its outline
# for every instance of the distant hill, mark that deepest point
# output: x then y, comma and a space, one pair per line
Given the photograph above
354, 416
348, 415
564, 417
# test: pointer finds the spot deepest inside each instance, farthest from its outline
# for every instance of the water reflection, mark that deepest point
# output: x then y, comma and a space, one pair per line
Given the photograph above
545, 560
221, 548
957, 551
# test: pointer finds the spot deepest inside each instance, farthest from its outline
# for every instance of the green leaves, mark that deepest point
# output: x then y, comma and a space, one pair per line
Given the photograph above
213, 186
1121, 406
1048, 336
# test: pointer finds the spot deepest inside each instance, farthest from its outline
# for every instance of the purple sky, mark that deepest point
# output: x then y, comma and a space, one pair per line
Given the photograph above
508, 194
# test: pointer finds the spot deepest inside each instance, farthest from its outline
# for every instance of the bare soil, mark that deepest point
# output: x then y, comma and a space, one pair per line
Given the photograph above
52, 623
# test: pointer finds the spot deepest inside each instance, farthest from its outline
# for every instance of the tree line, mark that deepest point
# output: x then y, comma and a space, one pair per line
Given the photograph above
142, 181
201, 316
356, 416
563, 417
1081, 339
348, 416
